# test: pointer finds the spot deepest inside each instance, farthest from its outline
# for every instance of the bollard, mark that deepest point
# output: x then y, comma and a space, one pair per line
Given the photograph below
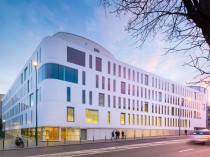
105, 139
27, 142
3, 144
47, 142
80, 140
93, 139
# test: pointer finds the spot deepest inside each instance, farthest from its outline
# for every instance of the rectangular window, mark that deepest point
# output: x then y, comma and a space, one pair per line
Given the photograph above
119, 71
124, 72
122, 118
90, 97
146, 107
70, 114
114, 101
83, 78
103, 82
109, 84
97, 81
31, 117
133, 75
146, 80
108, 117
75, 56
129, 119
133, 119
98, 64
90, 62
160, 96
109, 101
159, 121
68, 94
114, 85
129, 74
92, 116
119, 102
137, 119
123, 88
114, 69
101, 99
31, 99
138, 77
109, 67
142, 78
83, 96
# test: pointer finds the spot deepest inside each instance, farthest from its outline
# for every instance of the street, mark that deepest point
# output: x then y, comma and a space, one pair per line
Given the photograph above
161, 147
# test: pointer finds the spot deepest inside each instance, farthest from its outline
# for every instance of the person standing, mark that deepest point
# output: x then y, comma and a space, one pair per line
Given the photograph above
185, 131
112, 135
123, 134
116, 134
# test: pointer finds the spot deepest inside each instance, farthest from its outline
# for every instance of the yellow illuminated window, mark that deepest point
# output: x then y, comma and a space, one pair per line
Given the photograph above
137, 118
70, 114
146, 107
133, 119
91, 116
108, 117
159, 121
129, 119
122, 118
209, 114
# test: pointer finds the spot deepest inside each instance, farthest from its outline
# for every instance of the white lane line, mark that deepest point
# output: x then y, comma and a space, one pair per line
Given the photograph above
109, 149
185, 150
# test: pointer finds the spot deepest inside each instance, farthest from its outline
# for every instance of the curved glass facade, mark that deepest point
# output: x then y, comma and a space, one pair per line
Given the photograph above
56, 71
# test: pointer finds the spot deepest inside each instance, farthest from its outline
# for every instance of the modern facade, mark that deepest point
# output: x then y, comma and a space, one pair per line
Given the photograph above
1, 97
84, 92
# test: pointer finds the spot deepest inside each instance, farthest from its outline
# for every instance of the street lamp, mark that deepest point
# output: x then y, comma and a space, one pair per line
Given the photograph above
4, 128
182, 104
35, 64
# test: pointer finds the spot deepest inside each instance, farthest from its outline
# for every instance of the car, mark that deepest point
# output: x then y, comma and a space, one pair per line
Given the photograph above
200, 136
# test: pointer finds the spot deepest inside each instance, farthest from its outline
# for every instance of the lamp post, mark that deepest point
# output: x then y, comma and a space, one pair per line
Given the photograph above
4, 128
182, 103
35, 64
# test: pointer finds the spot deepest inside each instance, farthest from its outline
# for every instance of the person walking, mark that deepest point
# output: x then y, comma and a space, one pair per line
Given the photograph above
185, 131
116, 134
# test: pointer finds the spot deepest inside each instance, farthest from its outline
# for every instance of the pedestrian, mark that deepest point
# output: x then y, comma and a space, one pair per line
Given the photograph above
116, 134
122, 134
185, 131
112, 135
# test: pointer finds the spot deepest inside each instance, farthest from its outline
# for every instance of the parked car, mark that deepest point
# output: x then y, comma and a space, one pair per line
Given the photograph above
201, 136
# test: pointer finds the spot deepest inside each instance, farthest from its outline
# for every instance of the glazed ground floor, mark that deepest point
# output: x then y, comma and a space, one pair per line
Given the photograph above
76, 134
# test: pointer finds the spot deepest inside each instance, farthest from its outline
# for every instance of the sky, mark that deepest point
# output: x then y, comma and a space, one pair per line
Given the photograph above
24, 23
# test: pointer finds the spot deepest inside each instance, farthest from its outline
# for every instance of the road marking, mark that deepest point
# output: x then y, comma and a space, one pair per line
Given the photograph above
110, 149
185, 150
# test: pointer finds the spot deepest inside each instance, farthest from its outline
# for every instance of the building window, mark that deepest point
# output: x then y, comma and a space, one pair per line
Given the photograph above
146, 107
133, 119
114, 85
75, 56
83, 78
159, 121
160, 96
129, 74
97, 81
114, 69
70, 114
91, 116
68, 94
32, 101
109, 84
98, 64
90, 97
101, 99
122, 118
109, 67
90, 61
103, 82
114, 101
133, 75
119, 102
129, 119
83, 96
56, 71
146, 80
123, 88
109, 101
119, 71
108, 117
124, 72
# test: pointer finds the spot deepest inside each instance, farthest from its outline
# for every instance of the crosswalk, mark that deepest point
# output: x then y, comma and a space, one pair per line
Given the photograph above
110, 149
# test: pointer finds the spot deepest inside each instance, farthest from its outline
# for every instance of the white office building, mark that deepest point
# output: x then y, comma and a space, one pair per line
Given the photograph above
83, 91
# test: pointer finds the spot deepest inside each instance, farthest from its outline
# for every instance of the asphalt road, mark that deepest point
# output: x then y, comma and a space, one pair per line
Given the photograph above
163, 147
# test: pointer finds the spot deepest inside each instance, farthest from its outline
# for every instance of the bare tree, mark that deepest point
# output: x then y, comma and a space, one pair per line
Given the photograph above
185, 24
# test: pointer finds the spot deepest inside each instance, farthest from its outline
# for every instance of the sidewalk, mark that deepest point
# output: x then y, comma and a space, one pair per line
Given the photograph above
9, 144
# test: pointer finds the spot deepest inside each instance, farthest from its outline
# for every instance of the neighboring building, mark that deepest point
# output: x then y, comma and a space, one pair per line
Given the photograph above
208, 116
83, 91
1, 97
